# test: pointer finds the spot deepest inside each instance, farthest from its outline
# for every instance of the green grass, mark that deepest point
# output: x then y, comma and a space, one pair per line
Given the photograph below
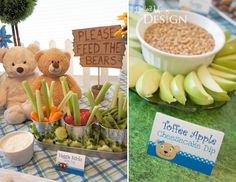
148, 168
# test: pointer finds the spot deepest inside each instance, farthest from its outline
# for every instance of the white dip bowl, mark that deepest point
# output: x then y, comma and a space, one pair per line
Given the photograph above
17, 147
178, 64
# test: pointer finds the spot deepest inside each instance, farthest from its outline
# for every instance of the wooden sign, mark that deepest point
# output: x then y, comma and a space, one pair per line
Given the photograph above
99, 47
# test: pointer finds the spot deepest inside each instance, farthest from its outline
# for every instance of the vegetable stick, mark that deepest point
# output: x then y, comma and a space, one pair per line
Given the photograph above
39, 106
102, 93
112, 121
90, 98
45, 97
66, 90
34, 116
94, 111
76, 109
56, 116
54, 109
115, 96
62, 79
29, 93
65, 100
120, 105
51, 90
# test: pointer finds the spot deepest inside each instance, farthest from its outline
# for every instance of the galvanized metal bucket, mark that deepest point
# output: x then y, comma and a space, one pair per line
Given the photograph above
116, 135
46, 127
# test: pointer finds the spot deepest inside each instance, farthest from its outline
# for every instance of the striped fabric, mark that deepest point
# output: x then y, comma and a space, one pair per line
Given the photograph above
42, 163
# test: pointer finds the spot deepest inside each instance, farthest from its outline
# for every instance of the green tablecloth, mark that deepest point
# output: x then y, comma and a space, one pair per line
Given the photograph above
149, 168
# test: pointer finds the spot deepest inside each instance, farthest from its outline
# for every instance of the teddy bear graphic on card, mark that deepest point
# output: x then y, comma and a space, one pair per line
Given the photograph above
19, 64
166, 150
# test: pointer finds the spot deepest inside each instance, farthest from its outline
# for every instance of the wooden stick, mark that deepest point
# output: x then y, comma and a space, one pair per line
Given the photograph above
13, 34
17, 34
98, 77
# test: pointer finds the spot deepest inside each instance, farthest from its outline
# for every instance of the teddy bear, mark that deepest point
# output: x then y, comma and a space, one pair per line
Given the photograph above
166, 150
54, 63
19, 64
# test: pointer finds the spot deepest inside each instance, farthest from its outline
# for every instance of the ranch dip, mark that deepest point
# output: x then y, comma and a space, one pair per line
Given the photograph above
16, 142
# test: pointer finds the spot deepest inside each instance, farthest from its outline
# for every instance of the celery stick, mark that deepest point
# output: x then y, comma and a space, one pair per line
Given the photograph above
90, 98
102, 92
76, 109
65, 100
94, 111
62, 79
120, 105
124, 112
29, 93
51, 92
115, 96
45, 97
39, 106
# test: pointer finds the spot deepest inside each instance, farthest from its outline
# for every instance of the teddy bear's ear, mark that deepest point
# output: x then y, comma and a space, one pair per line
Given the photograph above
177, 148
34, 48
68, 56
38, 55
3, 51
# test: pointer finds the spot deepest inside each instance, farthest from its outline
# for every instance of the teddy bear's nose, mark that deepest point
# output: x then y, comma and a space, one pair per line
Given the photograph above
165, 151
20, 69
55, 65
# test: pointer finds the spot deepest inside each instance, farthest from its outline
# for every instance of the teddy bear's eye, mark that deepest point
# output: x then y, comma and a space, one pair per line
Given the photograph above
13, 64
58, 62
162, 147
170, 149
24, 62
52, 61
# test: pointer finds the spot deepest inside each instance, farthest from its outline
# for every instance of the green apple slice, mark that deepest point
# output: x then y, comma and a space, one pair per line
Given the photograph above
195, 90
222, 74
228, 49
230, 57
148, 82
177, 89
207, 80
227, 85
165, 91
223, 68
218, 96
229, 64
136, 70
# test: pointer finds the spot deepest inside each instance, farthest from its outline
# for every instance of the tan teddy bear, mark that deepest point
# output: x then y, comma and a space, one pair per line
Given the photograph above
167, 151
19, 64
54, 63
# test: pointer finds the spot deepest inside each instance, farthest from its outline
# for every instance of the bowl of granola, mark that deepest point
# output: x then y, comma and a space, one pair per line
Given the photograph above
178, 41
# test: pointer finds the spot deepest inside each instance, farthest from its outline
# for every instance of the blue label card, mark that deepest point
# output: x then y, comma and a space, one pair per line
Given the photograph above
199, 6
70, 162
184, 143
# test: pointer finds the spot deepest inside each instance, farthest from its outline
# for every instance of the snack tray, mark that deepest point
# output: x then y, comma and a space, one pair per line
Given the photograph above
90, 153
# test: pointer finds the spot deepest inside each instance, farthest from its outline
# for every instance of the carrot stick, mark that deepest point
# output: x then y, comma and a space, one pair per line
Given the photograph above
34, 116
56, 116
46, 119
53, 110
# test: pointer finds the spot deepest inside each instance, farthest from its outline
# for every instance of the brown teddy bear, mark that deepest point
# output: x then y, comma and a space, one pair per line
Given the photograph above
19, 64
166, 150
54, 63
